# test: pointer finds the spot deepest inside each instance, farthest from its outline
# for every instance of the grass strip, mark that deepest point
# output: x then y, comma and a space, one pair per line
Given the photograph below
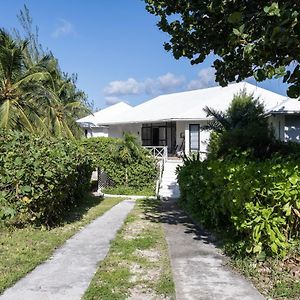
137, 265
123, 190
22, 249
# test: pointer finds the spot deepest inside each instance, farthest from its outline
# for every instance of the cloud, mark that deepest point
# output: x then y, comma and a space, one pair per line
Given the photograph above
110, 100
64, 28
206, 78
163, 84
170, 81
122, 88
151, 86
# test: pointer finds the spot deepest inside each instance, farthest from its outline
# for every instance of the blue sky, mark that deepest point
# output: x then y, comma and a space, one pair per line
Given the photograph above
114, 47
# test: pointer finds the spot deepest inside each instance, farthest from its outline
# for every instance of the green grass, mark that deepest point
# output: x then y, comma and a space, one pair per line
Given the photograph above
138, 261
21, 250
123, 190
273, 277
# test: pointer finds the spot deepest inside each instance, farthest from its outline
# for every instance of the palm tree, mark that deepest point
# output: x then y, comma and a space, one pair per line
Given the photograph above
243, 126
244, 109
63, 103
18, 86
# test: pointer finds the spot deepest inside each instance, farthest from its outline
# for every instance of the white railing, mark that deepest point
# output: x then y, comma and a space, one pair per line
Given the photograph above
159, 152
161, 165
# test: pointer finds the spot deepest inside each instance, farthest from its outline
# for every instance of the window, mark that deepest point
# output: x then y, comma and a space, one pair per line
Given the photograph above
146, 136
194, 137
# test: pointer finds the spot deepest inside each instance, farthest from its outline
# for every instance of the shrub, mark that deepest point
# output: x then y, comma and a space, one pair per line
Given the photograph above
258, 201
124, 161
242, 126
40, 177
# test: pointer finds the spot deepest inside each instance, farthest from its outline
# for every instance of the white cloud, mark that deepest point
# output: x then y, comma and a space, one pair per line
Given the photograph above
64, 28
110, 100
122, 88
151, 86
170, 81
206, 78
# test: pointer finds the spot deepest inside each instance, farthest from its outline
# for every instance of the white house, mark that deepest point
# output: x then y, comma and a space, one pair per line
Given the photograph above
175, 120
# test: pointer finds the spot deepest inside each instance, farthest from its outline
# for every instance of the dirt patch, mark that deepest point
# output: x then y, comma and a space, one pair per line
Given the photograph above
151, 254
134, 229
138, 293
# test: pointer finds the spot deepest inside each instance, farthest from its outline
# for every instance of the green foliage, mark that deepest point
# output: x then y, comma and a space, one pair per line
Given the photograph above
40, 178
242, 126
258, 201
35, 95
123, 160
259, 38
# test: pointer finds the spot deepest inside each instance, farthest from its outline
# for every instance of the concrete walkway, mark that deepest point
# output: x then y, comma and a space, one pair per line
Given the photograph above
199, 270
68, 273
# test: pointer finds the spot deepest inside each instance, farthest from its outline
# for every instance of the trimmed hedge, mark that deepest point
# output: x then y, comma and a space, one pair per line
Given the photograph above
40, 177
139, 173
257, 201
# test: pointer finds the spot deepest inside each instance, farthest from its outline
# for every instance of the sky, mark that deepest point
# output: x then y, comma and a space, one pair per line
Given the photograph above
115, 48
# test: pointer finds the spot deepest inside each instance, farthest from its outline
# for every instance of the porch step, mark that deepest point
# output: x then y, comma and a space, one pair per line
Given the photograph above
169, 187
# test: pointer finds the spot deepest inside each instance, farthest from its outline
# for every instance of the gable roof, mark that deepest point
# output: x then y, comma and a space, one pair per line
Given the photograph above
289, 106
105, 116
189, 105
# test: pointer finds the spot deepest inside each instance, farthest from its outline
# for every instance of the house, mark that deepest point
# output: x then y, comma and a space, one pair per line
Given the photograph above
175, 120
96, 124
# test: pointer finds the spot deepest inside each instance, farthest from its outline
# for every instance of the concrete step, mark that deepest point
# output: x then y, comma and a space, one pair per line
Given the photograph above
169, 187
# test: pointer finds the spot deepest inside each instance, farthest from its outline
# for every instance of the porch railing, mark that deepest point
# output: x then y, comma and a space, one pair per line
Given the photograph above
160, 152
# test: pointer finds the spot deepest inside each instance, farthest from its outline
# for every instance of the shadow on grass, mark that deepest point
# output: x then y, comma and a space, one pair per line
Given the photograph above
169, 212
76, 213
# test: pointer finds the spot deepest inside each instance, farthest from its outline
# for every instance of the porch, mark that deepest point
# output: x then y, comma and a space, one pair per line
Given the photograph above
178, 136
163, 136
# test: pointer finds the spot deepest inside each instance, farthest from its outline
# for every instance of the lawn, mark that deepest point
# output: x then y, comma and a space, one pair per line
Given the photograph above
123, 190
22, 249
138, 264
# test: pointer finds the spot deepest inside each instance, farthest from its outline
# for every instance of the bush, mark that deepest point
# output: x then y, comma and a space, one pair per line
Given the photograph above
242, 126
125, 162
258, 201
40, 177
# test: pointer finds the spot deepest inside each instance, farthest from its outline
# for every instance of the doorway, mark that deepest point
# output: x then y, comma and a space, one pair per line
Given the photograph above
155, 136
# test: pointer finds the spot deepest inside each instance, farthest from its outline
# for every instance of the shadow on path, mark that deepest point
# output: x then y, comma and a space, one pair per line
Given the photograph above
200, 271
169, 212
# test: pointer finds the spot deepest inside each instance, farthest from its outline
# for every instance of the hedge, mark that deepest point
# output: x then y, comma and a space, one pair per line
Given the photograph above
258, 202
40, 177
140, 173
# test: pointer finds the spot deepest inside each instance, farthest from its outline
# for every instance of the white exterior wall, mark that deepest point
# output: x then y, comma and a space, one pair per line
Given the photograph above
96, 132
277, 122
183, 126
115, 131
118, 130
180, 135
